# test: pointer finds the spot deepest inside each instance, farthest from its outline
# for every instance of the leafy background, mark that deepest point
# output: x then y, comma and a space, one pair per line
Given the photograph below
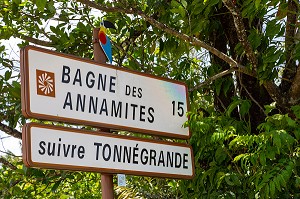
239, 59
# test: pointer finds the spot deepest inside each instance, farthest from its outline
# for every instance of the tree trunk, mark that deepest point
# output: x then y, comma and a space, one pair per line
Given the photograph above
249, 87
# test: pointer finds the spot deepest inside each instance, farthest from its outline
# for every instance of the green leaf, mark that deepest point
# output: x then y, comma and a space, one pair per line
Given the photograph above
7, 75
219, 176
2, 48
15, 91
277, 141
63, 196
228, 180
245, 106
218, 137
262, 158
41, 4
285, 176
270, 107
277, 183
273, 28
257, 3
281, 180
255, 39
184, 3
267, 191
25, 169
211, 2
270, 153
220, 155
238, 157
272, 188
291, 122
296, 110
297, 182
174, 3
17, 190
232, 106
218, 86
181, 11
271, 56
249, 9
50, 7
282, 10
81, 26
17, 1
297, 133
55, 186
236, 179
226, 86
21, 171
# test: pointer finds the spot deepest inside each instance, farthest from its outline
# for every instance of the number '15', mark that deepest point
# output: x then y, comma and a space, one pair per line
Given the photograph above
179, 107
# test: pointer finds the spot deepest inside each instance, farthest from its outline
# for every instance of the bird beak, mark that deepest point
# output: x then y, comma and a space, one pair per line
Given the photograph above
108, 24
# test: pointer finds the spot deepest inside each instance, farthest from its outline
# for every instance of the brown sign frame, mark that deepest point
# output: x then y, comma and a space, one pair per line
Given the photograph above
27, 159
25, 98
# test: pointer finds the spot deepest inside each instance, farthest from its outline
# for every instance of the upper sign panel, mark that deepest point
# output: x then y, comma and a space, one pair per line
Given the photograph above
66, 88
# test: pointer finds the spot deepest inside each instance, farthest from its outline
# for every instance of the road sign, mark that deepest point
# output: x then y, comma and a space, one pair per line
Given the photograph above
48, 146
66, 88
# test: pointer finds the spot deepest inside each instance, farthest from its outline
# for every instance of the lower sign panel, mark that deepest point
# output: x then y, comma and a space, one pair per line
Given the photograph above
53, 147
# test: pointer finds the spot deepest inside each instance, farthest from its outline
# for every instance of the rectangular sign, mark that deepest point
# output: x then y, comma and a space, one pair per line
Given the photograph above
66, 88
54, 147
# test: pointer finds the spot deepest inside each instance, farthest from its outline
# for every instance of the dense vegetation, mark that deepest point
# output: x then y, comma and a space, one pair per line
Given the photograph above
239, 59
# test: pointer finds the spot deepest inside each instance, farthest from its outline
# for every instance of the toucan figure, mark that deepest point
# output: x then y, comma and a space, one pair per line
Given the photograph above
104, 40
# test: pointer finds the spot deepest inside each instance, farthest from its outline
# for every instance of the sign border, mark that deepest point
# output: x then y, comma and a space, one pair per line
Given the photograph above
27, 158
25, 98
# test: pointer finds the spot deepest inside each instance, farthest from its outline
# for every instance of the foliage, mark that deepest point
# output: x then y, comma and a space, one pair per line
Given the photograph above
26, 182
146, 187
239, 59
233, 163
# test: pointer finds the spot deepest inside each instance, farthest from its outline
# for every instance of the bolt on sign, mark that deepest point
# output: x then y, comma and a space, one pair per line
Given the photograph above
54, 147
66, 88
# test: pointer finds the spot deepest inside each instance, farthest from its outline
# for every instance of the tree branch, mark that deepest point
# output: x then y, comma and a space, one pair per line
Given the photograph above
294, 92
8, 164
270, 86
277, 96
223, 73
241, 32
10, 131
34, 41
232, 160
129, 56
251, 97
290, 65
192, 40
213, 78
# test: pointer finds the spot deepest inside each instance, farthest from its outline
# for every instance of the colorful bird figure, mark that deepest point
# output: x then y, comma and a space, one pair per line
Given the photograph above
104, 40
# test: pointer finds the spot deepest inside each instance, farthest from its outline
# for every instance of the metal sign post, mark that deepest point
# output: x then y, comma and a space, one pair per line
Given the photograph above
107, 186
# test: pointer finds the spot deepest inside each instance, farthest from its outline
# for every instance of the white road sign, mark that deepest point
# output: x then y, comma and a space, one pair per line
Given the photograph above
54, 147
66, 88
